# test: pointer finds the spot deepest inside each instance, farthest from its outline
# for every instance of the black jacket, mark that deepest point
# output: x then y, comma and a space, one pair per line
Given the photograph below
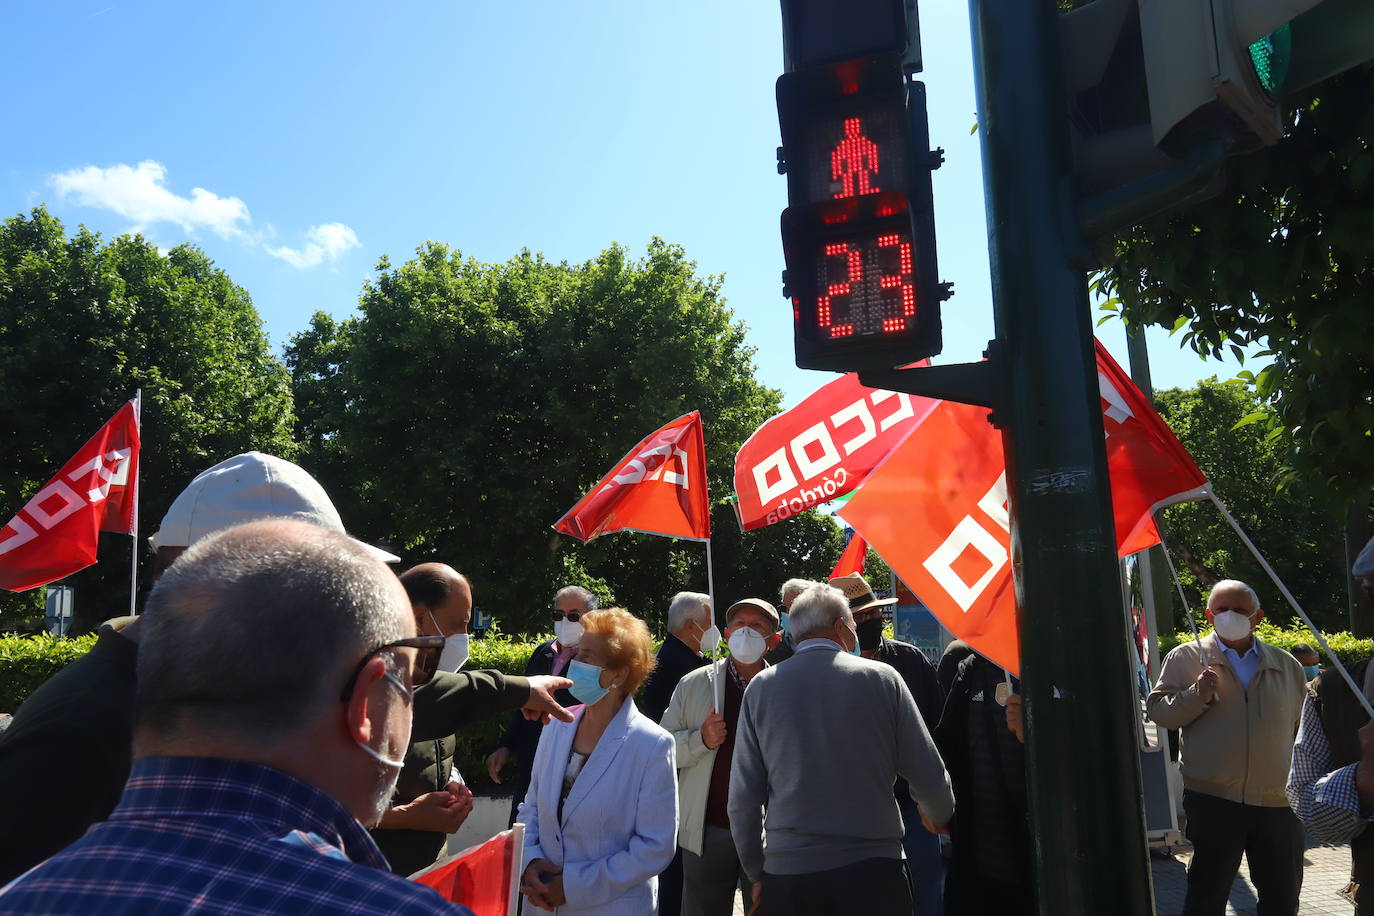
64, 758
674, 662
522, 735
919, 675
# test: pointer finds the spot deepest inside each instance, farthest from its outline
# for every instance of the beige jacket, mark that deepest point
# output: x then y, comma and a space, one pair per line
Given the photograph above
1240, 746
691, 702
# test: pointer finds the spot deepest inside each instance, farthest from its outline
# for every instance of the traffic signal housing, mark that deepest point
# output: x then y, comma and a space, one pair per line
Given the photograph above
858, 232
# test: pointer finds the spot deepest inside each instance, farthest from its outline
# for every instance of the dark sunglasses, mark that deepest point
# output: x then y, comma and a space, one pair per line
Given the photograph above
573, 616
412, 642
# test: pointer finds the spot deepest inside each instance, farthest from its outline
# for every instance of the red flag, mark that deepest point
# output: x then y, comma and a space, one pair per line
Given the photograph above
852, 560
659, 487
936, 510
56, 533
483, 878
820, 449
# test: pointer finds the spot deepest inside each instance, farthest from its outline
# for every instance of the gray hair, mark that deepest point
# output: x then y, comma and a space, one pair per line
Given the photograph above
578, 592
816, 609
793, 587
1234, 585
252, 632
687, 606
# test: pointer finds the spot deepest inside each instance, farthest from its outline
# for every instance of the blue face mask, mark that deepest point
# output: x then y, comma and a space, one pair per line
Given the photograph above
586, 686
784, 615
1311, 671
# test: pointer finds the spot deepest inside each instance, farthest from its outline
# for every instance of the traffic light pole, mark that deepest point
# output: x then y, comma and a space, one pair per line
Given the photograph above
1083, 772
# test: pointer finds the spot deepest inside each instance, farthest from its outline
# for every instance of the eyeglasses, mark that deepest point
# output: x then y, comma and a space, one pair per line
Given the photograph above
1243, 611
412, 642
573, 616
870, 614
782, 608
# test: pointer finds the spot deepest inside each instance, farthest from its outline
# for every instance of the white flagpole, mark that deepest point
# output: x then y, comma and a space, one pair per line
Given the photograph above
1350, 682
715, 674
133, 549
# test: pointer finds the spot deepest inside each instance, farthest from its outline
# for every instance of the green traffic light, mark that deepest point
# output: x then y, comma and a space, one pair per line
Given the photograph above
1270, 56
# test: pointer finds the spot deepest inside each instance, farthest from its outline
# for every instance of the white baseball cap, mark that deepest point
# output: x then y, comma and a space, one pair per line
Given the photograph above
245, 488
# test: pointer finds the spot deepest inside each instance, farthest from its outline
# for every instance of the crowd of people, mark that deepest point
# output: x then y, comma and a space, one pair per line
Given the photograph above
276, 732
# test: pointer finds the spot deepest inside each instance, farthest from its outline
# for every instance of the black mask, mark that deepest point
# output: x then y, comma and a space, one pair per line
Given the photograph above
870, 634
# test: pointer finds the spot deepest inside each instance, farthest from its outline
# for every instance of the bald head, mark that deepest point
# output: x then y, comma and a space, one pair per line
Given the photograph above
440, 590
252, 632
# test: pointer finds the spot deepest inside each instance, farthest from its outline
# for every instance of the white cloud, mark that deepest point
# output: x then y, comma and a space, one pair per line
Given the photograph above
323, 243
139, 193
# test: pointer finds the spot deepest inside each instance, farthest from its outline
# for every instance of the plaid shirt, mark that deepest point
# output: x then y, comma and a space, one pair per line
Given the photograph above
220, 836
1325, 799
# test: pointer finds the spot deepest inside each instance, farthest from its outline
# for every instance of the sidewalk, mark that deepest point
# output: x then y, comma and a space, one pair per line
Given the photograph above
1326, 870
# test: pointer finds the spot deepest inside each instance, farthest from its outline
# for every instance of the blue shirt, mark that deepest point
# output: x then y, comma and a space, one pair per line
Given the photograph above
1245, 665
220, 836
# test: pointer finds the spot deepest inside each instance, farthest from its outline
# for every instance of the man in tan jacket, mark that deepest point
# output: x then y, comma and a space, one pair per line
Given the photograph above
1238, 705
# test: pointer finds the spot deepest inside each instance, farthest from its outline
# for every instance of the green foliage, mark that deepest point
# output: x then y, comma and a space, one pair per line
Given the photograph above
27, 661
1304, 545
1281, 259
469, 405
83, 324
1349, 649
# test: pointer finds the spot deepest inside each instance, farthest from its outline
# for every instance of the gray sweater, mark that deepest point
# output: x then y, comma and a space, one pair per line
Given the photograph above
820, 741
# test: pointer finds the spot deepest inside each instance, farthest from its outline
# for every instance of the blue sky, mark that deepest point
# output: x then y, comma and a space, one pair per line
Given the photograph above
298, 142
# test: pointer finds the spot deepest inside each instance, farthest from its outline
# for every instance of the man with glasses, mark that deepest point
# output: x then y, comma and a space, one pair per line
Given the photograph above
1237, 702
274, 694
552, 657
431, 800
1331, 785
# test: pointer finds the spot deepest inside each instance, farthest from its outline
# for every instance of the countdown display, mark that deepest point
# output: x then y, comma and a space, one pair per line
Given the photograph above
865, 284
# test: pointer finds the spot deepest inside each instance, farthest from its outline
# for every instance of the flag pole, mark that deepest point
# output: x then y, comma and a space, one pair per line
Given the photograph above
711, 590
1187, 611
1345, 675
133, 548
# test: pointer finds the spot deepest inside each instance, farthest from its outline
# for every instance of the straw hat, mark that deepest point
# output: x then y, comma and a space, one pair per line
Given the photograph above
860, 595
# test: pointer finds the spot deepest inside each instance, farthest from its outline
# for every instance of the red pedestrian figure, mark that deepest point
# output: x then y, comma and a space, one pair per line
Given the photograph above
853, 159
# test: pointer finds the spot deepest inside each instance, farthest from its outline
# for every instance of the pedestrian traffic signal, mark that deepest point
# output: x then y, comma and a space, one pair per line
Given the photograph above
858, 232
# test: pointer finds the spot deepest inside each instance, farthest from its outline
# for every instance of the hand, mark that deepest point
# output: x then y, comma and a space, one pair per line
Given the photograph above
1208, 684
541, 706
438, 811
1015, 720
931, 826
758, 895
534, 886
495, 761
713, 729
462, 798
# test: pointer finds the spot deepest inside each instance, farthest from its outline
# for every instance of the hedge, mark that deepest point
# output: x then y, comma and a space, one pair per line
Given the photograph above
1347, 647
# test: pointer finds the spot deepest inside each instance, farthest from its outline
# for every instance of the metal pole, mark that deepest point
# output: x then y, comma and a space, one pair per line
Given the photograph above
133, 549
1083, 771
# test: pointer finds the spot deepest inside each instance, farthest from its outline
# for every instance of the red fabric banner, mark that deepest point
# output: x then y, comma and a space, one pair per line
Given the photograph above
936, 510
820, 449
852, 559
481, 878
56, 533
659, 487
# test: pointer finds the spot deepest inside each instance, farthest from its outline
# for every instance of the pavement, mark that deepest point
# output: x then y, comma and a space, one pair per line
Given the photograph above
1326, 870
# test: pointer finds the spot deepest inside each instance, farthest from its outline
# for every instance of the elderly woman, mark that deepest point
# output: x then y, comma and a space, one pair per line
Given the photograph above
601, 812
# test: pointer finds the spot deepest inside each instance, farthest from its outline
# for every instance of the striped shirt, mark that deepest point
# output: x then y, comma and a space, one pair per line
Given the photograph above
1323, 797
219, 836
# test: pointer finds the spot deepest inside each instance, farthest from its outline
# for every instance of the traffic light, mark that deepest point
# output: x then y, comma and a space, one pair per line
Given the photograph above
858, 232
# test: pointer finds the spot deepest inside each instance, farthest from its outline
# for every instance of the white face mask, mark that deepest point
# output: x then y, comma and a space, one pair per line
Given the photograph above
1232, 625
455, 652
569, 634
710, 638
746, 646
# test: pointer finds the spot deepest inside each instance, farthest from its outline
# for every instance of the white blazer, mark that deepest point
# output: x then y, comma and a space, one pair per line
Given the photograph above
619, 824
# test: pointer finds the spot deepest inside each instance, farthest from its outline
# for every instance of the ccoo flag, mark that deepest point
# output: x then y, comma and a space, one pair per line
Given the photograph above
936, 510
57, 531
658, 488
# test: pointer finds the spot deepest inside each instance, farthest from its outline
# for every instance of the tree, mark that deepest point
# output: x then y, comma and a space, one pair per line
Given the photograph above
1281, 259
469, 405
83, 324
1296, 534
